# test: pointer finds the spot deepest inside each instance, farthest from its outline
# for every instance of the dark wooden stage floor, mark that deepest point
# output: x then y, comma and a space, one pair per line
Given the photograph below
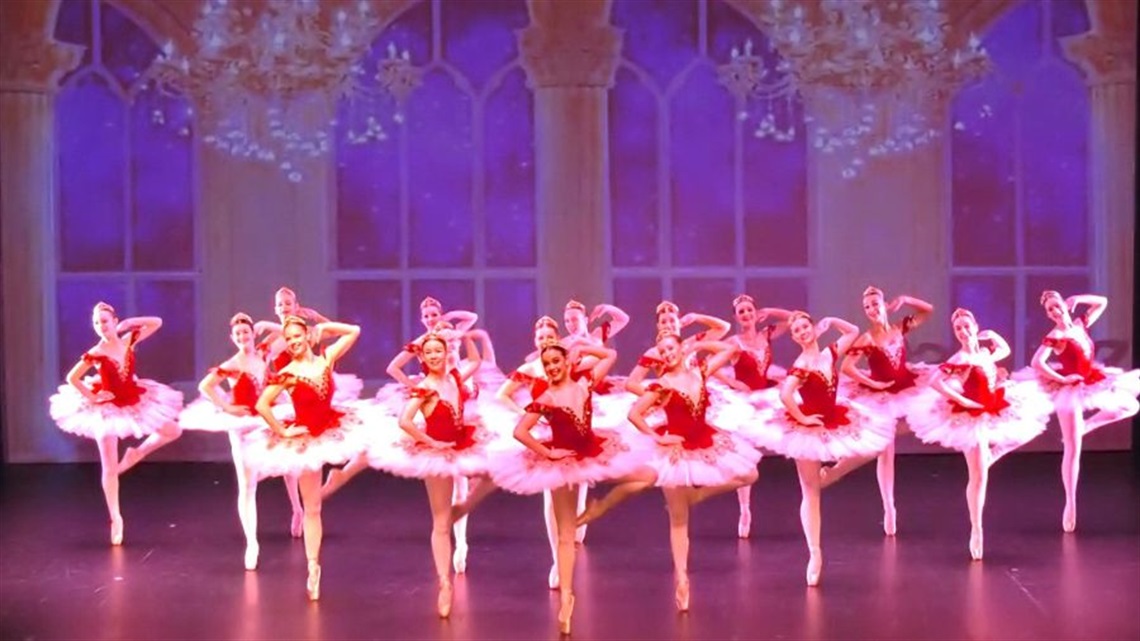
179, 574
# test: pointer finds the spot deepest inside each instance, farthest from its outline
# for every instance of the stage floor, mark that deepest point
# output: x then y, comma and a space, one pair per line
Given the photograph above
179, 574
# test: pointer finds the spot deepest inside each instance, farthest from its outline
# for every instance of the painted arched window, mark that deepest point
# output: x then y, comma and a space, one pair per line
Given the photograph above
701, 208
445, 205
1020, 163
126, 227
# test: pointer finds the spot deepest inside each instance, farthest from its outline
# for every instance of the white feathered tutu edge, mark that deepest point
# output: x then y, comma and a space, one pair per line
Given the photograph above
518, 469
268, 454
1115, 392
346, 388
894, 404
393, 450
866, 434
729, 458
933, 420
202, 415
158, 406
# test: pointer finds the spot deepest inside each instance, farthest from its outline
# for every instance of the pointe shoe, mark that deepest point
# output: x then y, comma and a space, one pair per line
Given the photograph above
890, 524
297, 525
552, 579
459, 559
681, 595
1069, 519
443, 601
814, 569
976, 544
252, 551
564, 614
744, 526
116, 530
313, 584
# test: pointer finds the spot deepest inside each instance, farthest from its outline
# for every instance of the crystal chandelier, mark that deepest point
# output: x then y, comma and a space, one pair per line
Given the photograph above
265, 84
873, 73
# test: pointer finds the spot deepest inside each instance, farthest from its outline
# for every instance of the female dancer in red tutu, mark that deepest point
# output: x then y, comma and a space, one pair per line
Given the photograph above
821, 427
977, 414
1079, 384
235, 413
448, 448
319, 434
531, 375
285, 304
431, 313
693, 460
886, 388
577, 453
669, 321
115, 404
752, 370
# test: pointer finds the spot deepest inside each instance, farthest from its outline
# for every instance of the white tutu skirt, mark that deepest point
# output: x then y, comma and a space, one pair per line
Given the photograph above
866, 434
893, 404
933, 420
1115, 392
518, 469
158, 405
392, 450
727, 459
267, 454
203, 416
346, 388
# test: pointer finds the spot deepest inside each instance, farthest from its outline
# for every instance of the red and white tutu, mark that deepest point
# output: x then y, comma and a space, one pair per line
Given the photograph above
934, 420
268, 454
1114, 389
866, 434
894, 404
158, 405
520, 470
393, 450
727, 459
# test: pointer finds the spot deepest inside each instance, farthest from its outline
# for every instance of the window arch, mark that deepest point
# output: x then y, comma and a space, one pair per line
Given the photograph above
445, 205
126, 226
688, 177
1019, 156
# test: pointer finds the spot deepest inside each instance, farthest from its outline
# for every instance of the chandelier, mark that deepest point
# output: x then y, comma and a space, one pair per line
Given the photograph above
266, 85
874, 75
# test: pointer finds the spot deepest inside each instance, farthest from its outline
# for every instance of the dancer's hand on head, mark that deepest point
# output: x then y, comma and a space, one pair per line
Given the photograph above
895, 304
557, 453
597, 312
688, 319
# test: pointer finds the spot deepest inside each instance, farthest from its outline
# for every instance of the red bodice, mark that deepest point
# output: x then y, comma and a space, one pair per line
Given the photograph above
445, 422
312, 401
818, 392
685, 417
978, 386
888, 362
244, 388
1076, 356
568, 431
119, 379
753, 371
